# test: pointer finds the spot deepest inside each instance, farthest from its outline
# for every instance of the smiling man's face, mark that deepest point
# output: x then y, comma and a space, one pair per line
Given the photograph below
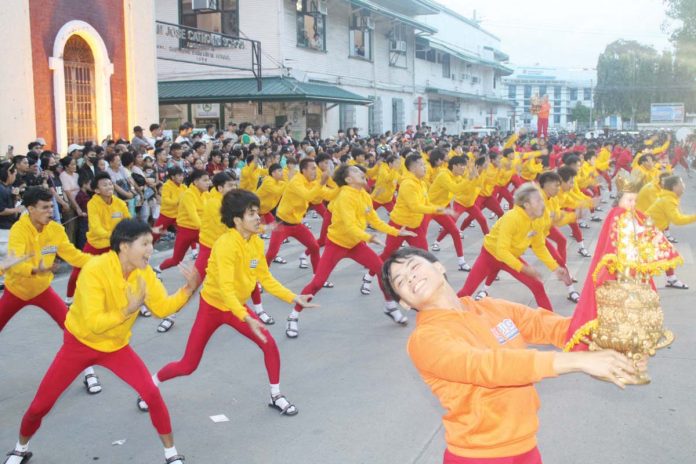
416, 280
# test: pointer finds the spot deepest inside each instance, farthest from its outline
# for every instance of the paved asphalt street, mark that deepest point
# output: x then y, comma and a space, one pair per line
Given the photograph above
360, 399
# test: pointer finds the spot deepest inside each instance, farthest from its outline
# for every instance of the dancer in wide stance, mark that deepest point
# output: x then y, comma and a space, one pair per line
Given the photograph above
235, 265
110, 291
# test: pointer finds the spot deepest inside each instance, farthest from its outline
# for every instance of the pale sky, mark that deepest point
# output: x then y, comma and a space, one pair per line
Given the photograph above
569, 34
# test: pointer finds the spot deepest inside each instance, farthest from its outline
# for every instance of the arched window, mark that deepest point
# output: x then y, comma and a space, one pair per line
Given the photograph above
78, 61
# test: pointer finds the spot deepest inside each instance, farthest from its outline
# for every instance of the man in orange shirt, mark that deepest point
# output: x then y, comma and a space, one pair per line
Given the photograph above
543, 118
474, 357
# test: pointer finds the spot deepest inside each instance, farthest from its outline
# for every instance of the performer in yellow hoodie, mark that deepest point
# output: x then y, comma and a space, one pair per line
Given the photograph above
388, 178
188, 218
346, 238
172, 190
665, 211
509, 238
28, 283
104, 212
110, 291
236, 264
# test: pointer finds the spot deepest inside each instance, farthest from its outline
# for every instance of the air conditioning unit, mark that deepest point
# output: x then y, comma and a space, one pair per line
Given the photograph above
475, 80
369, 23
398, 46
205, 5
322, 7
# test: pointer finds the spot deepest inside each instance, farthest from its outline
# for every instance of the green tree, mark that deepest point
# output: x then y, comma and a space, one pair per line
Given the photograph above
626, 79
581, 115
684, 35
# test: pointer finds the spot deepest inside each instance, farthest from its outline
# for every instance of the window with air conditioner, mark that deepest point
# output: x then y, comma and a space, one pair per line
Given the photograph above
221, 16
397, 46
311, 24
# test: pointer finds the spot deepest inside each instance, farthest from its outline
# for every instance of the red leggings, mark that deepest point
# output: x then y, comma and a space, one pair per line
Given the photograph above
576, 231
267, 218
561, 245
473, 212
516, 180
48, 300
530, 457
300, 233
502, 193
389, 206
73, 358
543, 127
333, 253
165, 222
448, 227
72, 281
185, 238
208, 320
607, 178
201, 263
487, 265
325, 214
491, 203
393, 243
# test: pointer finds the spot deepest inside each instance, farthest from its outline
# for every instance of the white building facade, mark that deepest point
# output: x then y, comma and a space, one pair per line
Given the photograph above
336, 64
565, 88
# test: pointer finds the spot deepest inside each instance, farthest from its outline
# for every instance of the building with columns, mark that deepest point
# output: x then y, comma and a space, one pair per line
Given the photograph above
76, 70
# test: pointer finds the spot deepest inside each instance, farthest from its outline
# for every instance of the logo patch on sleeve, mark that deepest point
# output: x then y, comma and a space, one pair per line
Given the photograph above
505, 331
253, 263
116, 215
49, 250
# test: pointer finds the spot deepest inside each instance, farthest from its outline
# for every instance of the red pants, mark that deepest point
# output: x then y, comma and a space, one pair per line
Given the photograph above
561, 245
300, 233
516, 180
73, 358
473, 212
486, 265
208, 320
325, 221
502, 193
530, 457
543, 127
607, 178
491, 203
202, 260
72, 281
576, 231
333, 253
679, 159
185, 238
267, 218
448, 227
48, 300
389, 206
165, 222
393, 243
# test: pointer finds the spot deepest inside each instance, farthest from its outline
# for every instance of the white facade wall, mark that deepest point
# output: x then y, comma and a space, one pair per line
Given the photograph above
274, 24
17, 112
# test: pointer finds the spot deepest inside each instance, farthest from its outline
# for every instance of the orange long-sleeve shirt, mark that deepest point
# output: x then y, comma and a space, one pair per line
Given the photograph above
478, 365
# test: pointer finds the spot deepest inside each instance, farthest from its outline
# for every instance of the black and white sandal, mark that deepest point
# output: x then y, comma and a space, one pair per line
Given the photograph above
328, 284
175, 459
92, 384
25, 455
584, 225
396, 315
574, 296
480, 295
676, 283
145, 312
464, 267
288, 410
366, 288
279, 260
303, 263
166, 324
142, 405
582, 251
292, 330
265, 317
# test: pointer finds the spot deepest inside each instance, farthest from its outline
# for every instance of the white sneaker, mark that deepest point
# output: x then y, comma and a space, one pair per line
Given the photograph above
68, 301
465, 267
480, 295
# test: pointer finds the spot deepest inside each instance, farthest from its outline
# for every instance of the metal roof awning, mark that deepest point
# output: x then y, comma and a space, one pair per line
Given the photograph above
275, 89
467, 96
384, 11
468, 57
